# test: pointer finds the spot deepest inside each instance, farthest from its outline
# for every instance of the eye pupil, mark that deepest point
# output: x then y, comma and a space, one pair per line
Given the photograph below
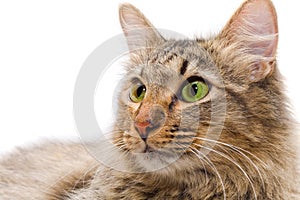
194, 89
140, 90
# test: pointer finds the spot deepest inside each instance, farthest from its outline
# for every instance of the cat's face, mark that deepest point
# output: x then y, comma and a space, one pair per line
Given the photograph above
165, 104
179, 98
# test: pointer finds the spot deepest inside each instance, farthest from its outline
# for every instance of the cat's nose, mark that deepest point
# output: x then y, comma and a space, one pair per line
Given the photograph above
143, 129
148, 120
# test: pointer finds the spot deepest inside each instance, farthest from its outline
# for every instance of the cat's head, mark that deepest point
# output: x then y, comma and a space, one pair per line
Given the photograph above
185, 99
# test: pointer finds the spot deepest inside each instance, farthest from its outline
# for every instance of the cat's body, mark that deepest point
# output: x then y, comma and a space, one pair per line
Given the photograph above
234, 139
65, 175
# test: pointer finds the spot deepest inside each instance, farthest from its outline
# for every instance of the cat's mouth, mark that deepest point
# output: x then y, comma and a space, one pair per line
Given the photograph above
149, 149
153, 160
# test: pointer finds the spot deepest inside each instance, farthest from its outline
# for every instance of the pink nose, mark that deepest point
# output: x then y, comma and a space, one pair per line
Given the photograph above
141, 128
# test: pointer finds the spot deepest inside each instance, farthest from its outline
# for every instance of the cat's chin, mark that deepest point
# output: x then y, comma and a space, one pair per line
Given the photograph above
154, 161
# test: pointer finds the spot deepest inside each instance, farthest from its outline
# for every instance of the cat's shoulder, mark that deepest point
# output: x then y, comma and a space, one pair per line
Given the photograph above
32, 170
39, 151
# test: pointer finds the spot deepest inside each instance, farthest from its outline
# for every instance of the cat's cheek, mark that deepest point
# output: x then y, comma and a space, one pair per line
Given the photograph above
134, 143
125, 103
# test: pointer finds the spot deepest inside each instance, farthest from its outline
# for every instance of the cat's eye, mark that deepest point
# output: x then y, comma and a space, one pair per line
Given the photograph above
137, 92
194, 91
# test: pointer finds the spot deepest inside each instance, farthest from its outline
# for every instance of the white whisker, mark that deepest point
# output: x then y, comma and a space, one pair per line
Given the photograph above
209, 162
235, 163
204, 167
234, 148
239, 150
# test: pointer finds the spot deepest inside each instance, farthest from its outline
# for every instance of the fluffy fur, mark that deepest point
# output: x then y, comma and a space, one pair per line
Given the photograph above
238, 142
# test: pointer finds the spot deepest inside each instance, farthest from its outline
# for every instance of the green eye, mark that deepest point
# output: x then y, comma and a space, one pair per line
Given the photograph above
137, 93
194, 91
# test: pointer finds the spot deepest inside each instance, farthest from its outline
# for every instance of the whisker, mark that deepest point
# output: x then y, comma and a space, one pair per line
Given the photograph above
210, 163
235, 163
204, 167
239, 150
249, 160
233, 147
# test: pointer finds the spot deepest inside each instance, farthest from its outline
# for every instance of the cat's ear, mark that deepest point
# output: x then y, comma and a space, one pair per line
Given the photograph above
253, 31
138, 30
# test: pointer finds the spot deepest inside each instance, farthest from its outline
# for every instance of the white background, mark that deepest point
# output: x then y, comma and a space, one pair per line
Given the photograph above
44, 43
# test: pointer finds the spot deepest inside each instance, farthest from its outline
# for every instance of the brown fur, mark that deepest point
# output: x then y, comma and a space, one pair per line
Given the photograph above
254, 157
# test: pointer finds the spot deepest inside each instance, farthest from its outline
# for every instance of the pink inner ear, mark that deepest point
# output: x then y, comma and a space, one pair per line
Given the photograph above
257, 25
252, 37
133, 22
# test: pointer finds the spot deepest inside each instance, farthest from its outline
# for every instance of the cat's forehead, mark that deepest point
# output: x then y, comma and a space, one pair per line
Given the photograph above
176, 60
185, 49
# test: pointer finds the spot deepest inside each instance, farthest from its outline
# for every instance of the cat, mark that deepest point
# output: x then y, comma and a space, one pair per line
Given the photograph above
197, 119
